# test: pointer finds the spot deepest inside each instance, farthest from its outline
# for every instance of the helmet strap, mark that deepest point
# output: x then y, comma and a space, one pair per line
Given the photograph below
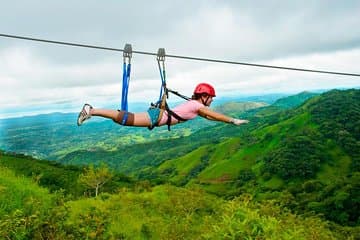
202, 100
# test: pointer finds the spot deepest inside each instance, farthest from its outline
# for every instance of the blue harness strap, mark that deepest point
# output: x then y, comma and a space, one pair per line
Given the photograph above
126, 81
161, 64
125, 86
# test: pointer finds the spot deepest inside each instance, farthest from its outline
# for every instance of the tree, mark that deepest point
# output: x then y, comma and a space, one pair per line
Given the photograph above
297, 156
95, 178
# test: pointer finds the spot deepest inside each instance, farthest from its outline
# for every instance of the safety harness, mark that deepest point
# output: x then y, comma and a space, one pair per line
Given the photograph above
161, 104
164, 94
126, 81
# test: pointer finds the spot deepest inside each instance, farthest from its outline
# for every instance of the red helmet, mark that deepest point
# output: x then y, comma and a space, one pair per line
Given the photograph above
205, 88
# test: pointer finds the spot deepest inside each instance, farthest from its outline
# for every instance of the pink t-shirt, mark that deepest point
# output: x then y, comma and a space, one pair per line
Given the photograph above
187, 110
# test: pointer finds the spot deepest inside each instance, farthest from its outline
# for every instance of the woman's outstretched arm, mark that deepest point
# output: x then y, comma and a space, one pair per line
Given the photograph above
215, 116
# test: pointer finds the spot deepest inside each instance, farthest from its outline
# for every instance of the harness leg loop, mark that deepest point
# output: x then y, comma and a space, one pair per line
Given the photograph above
124, 118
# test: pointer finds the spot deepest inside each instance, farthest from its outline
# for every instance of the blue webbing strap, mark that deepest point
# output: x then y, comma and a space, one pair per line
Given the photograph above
161, 58
126, 81
125, 87
163, 80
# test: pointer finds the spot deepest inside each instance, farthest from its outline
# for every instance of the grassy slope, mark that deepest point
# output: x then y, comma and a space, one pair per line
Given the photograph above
47, 173
230, 157
21, 193
233, 155
166, 212
131, 158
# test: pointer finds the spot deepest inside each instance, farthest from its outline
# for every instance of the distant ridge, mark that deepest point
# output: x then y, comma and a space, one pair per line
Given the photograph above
294, 100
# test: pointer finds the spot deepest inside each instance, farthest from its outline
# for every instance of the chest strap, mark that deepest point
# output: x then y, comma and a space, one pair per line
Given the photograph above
172, 114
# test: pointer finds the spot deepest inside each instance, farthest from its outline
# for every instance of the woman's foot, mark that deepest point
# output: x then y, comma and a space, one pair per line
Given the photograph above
84, 114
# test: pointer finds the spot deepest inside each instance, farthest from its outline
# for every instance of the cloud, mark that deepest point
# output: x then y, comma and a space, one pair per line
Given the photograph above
320, 35
29, 79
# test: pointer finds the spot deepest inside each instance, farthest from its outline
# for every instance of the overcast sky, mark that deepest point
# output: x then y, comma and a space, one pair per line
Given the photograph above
323, 35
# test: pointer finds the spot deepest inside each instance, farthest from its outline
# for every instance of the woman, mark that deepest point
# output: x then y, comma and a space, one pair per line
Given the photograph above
199, 105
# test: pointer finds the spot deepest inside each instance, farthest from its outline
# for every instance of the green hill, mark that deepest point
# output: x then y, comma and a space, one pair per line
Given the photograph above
292, 173
56, 137
162, 212
315, 145
236, 108
294, 100
131, 158
23, 205
308, 154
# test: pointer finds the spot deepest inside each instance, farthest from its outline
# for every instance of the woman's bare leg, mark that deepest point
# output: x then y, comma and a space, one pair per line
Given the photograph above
106, 113
134, 119
141, 119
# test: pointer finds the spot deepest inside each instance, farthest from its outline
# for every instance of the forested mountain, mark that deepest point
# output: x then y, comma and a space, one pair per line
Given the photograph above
53, 136
131, 158
309, 155
294, 100
297, 158
127, 209
57, 137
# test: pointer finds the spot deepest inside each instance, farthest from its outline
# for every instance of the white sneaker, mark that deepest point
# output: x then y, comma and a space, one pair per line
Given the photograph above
84, 114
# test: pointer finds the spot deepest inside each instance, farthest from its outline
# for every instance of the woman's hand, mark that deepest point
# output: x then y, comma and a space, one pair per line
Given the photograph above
238, 121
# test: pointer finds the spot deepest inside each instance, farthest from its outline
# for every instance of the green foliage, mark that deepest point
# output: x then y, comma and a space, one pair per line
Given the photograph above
244, 219
23, 206
306, 159
49, 174
339, 201
235, 108
296, 157
344, 124
245, 176
174, 213
161, 212
294, 101
54, 136
95, 178
57, 177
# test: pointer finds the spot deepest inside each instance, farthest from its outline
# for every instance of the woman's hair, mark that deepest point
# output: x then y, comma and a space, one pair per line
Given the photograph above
197, 96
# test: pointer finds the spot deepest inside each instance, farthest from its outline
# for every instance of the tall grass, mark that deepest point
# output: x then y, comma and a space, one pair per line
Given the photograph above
23, 205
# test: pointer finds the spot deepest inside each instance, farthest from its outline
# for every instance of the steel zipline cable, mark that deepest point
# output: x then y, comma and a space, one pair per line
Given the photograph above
181, 57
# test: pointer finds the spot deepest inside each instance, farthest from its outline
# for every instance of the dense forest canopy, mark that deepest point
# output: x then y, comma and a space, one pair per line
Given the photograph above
296, 162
